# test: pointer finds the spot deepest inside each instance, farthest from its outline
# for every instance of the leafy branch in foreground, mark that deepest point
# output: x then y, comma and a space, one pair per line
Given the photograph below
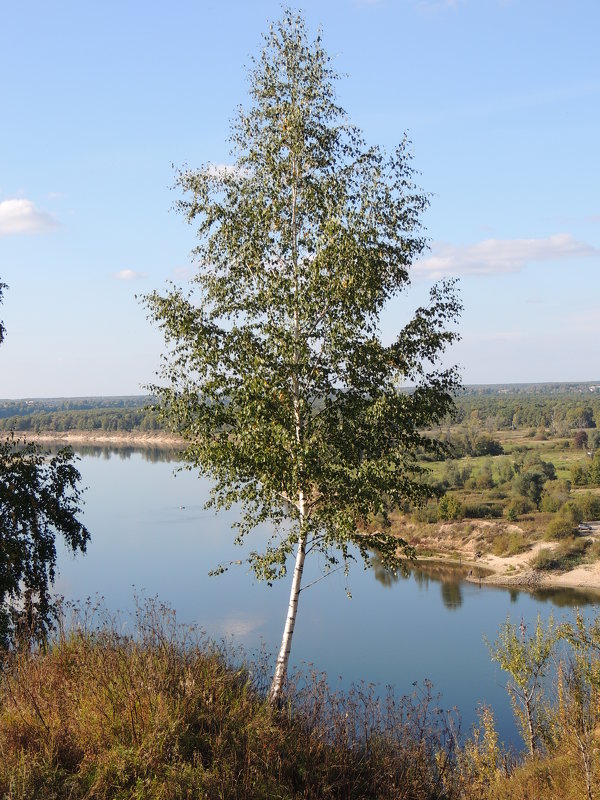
276, 372
39, 497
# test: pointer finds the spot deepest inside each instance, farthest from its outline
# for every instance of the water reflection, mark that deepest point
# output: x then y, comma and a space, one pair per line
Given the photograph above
566, 597
451, 594
154, 455
452, 578
151, 453
383, 575
422, 573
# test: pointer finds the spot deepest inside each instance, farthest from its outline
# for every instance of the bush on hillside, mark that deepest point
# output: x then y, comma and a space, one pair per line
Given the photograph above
450, 507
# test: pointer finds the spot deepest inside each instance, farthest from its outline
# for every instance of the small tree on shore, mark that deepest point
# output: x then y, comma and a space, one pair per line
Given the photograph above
276, 373
527, 659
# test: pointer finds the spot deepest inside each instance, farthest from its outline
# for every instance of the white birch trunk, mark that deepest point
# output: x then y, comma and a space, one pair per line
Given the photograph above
281, 667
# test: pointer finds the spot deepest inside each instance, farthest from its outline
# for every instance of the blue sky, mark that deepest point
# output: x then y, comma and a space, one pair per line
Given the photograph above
501, 99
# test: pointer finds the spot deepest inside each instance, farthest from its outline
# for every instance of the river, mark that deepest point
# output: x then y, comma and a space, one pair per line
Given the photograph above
151, 536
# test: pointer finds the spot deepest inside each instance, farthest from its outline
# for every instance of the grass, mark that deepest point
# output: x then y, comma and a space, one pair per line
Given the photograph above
166, 714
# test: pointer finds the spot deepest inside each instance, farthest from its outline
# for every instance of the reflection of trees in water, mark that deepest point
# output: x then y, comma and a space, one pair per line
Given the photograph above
567, 597
154, 455
422, 575
421, 578
451, 594
451, 578
386, 577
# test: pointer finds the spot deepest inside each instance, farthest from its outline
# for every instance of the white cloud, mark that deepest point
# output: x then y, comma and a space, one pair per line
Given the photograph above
21, 216
128, 275
497, 256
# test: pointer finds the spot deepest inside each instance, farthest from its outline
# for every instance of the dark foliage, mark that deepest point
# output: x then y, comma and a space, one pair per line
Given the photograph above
39, 497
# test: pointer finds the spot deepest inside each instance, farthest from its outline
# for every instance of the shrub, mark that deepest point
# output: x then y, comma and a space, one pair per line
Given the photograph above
509, 544
450, 507
512, 514
427, 514
482, 511
560, 527
545, 560
520, 505
579, 475
485, 479
566, 556
593, 551
454, 475
485, 445
589, 506
565, 523
594, 471
555, 494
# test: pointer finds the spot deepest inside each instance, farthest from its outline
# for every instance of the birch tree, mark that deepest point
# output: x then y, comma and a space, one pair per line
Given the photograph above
275, 371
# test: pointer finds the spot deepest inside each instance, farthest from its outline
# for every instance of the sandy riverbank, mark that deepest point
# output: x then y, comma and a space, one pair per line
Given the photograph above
104, 438
515, 571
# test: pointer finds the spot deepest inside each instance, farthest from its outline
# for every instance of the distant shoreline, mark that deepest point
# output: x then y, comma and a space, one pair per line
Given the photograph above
102, 438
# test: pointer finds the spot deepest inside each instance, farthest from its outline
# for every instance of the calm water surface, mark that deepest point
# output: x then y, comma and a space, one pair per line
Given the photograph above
151, 535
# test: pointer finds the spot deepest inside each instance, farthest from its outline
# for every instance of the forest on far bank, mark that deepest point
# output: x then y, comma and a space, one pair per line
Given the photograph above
555, 407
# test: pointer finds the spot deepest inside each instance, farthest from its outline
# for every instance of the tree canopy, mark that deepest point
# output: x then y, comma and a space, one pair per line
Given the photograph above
39, 497
276, 373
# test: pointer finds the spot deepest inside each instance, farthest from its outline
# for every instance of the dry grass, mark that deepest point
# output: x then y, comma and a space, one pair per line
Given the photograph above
164, 714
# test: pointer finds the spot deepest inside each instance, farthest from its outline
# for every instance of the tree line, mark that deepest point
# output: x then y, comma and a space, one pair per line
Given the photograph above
26, 407
559, 413
100, 419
